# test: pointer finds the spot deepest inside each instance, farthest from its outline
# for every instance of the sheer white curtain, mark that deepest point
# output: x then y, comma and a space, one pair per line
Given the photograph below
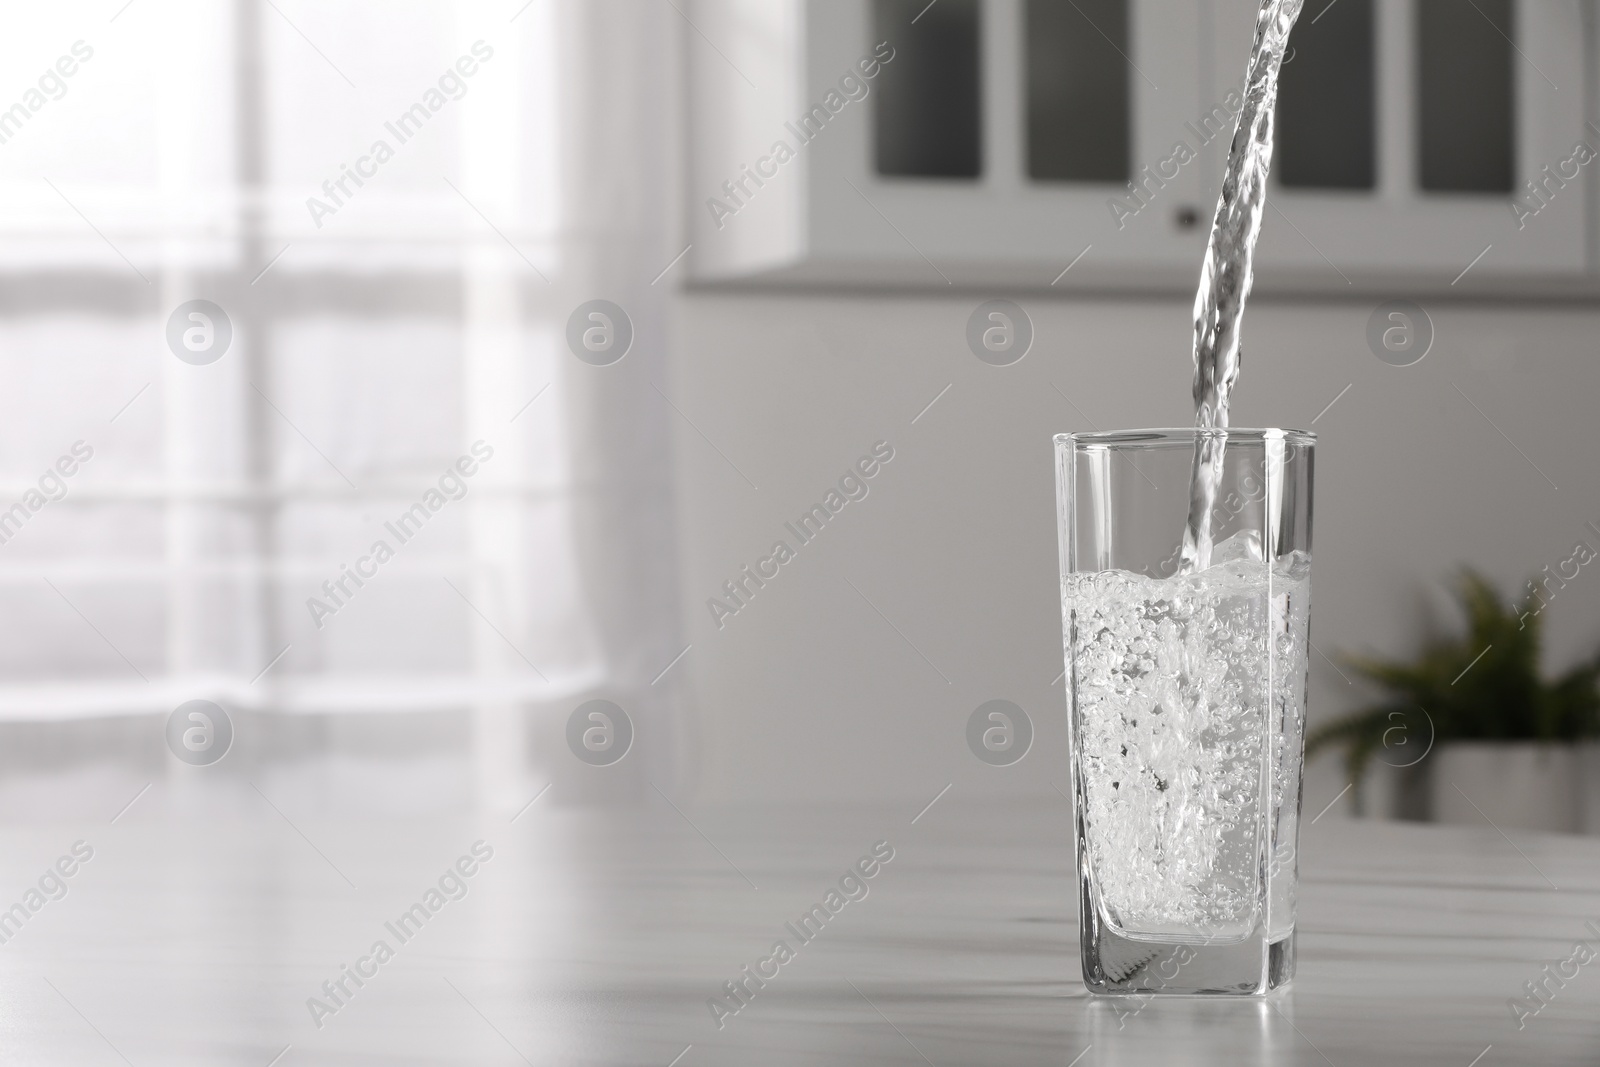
384, 331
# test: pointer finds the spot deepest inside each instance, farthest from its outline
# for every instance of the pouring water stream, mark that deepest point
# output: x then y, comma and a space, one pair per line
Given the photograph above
1228, 272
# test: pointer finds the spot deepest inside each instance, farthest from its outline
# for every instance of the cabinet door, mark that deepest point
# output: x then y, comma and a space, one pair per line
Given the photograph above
1425, 145
1004, 141
1411, 135
1006, 223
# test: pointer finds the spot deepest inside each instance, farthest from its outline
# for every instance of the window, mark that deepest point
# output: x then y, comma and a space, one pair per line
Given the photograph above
1327, 118
1078, 91
1468, 96
389, 338
928, 102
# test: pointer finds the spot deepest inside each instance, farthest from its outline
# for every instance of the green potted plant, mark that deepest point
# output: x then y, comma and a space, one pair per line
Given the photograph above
1472, 724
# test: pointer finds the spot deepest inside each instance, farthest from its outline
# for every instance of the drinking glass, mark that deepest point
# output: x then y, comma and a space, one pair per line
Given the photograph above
1187, 700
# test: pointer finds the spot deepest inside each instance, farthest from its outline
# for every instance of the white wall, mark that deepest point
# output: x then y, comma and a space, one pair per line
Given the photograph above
808, 692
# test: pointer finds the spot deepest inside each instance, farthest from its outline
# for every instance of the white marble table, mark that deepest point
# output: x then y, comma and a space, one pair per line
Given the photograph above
596, 937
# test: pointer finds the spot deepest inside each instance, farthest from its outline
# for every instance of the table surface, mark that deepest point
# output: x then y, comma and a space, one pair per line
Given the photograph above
598, 936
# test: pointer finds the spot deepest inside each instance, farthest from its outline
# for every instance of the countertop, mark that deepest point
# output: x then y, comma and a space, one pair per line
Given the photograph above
597, 936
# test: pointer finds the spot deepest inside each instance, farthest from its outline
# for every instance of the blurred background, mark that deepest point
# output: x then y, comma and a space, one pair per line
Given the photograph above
277, 271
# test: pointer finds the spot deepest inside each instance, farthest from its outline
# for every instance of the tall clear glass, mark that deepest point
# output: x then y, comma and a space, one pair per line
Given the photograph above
1187, 697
